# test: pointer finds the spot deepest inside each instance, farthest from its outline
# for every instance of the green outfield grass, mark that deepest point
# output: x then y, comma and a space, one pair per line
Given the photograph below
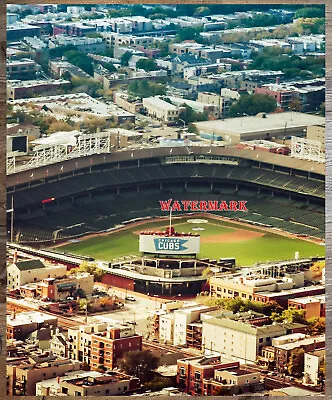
270, 247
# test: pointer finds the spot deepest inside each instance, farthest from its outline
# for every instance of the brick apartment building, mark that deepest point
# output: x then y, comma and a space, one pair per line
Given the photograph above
191, 372
101, 345
107, 347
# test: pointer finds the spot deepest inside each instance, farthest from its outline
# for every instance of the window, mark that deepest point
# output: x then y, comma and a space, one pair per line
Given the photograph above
182, 371
260, 340
197, 375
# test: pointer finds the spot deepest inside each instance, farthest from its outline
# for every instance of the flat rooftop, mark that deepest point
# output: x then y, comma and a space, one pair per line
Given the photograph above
33, 83
300, 343
29, 317
157, 102
272, 122
309, 299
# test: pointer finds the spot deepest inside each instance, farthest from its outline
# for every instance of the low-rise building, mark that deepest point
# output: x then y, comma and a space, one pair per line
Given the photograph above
58, 344
19, 30
222, 102
108, 347
60, 288
247, 286
296, 349
116, 39
83, 44
23, 69
317, 132
262, 126
314, 363
122, 100
183, 317
58, 68
20, 325
314, 306
72, 29
22, 89
22, 377
161, 110
284, 296
26, 129
210, 110
241, 336
232, 381
302, 96
192, 372
88, 383
101, 345
22, 272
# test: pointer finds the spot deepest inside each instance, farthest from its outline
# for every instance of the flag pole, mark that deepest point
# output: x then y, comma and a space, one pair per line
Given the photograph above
170, 220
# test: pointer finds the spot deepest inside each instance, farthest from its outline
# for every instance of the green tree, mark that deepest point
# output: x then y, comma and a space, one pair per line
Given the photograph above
125, 58
59, 51
163, 46
139, 363
86, 85
310, 26
316, 326
158, 384
189, 115
110, 67
189, 33
92, 269
81, 60
291, 314
310, 12
252, 105
93, 35
144, 88
296, 362
147, 64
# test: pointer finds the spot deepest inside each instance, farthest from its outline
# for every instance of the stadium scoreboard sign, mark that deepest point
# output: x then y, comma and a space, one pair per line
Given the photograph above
172, 245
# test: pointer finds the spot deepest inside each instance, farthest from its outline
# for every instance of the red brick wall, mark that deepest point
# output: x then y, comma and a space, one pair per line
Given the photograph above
118, 281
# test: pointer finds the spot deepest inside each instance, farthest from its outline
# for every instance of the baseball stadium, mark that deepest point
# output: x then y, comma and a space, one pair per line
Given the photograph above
105, 207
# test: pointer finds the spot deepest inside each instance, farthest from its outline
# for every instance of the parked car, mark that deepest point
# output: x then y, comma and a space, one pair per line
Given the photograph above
130, 298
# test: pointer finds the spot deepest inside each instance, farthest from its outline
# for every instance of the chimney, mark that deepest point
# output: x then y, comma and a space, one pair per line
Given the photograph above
278, 80
15, 257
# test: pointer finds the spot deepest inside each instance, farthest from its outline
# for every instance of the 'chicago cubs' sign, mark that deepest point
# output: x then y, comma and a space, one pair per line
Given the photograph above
169, 245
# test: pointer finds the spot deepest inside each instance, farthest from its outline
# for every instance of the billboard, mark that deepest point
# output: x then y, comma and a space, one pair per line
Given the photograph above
175, 245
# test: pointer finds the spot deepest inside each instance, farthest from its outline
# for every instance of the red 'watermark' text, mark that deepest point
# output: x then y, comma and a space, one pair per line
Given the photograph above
202, 205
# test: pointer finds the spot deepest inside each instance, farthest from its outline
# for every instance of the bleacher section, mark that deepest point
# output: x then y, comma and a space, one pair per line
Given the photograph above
75, 213
81, 183
103, 212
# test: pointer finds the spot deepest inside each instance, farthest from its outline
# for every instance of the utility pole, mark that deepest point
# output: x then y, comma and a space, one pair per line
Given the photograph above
12, 222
